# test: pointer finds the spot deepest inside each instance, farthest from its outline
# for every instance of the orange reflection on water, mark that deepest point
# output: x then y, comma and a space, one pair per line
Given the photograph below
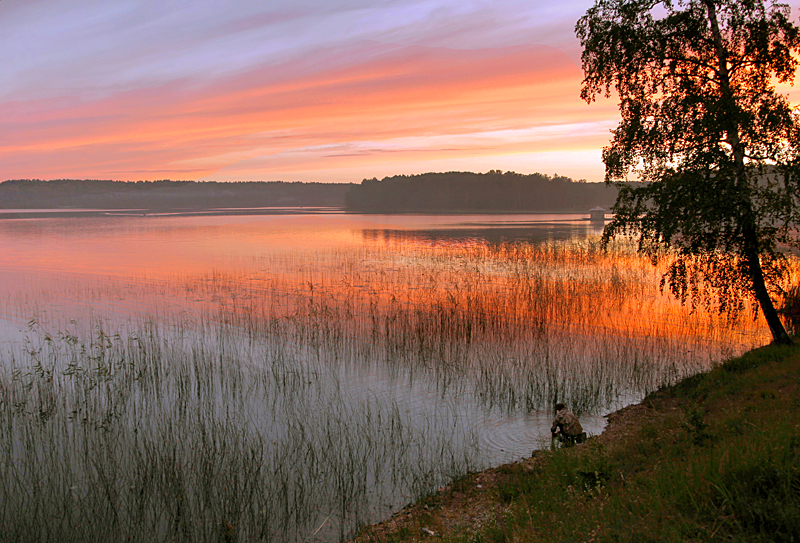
353, 273
464, 295
159, 248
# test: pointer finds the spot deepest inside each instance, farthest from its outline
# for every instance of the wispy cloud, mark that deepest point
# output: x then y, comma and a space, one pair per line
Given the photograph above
367, 93
311, 90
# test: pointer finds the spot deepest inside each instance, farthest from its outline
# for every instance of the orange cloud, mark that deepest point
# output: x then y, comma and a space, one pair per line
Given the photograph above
373, 107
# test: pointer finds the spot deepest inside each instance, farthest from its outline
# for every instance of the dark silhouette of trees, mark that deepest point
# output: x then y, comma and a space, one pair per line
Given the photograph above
165, 194
494, 191
716, 146
433, 192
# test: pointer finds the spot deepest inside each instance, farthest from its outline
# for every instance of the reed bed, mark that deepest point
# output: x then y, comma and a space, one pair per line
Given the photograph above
516, 324
199, 437
239, 404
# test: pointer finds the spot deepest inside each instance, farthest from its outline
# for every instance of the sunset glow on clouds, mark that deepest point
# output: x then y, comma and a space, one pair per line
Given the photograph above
306, 91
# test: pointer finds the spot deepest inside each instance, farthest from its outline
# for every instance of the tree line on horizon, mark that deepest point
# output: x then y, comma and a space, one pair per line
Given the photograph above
430, 192
477, 192
166, 194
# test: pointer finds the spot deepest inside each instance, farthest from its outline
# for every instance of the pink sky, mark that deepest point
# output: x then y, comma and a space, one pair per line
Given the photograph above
319, 91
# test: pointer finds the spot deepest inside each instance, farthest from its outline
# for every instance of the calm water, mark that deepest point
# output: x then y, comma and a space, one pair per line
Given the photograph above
469, 327
116, 268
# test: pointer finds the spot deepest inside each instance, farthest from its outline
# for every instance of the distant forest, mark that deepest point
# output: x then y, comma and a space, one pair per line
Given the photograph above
494, 191
162, 195
451, 192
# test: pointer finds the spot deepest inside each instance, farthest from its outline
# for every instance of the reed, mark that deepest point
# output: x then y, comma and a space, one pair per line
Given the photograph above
171, 434
267, 404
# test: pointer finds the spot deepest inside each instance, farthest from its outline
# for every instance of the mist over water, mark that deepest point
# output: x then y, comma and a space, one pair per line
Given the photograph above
342, 365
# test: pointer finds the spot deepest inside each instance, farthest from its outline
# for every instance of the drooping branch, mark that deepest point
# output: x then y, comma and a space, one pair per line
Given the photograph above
701, 124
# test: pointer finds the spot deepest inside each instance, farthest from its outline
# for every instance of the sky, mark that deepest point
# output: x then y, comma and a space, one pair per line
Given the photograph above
307, 90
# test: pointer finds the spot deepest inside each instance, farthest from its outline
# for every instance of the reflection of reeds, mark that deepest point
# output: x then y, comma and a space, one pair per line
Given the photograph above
232, 417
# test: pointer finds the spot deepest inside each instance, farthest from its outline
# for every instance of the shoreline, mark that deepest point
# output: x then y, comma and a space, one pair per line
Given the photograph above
25, 213
695, 461
620, 425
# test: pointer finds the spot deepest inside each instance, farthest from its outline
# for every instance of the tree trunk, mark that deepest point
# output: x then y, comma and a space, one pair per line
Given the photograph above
779, 334
750, 247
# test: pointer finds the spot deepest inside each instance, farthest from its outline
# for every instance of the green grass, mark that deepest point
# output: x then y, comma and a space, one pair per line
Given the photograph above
727, 471
717, 459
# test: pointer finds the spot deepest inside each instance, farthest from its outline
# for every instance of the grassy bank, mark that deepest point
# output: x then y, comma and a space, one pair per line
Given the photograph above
714, 458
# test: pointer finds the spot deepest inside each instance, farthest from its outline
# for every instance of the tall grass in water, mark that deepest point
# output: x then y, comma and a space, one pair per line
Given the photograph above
517, 325
234, 416
189, 437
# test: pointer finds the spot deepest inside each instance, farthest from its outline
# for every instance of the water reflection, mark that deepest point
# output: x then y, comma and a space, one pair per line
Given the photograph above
459, 332
498, 234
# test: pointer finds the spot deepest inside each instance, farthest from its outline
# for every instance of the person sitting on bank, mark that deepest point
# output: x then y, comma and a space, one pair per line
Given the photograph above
566, 427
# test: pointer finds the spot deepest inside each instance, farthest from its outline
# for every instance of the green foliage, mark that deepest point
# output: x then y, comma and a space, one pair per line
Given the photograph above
522, 484
765, 498
462, 483
715, 146
594, 470
493, 534
697, 427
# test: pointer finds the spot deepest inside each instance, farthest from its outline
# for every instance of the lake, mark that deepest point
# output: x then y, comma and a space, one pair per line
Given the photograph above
285, 377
